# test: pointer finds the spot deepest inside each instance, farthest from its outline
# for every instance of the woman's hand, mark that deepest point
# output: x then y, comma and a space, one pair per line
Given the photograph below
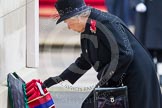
51, 81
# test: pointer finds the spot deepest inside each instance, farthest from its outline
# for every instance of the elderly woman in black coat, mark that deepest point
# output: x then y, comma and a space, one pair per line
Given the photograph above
109, 47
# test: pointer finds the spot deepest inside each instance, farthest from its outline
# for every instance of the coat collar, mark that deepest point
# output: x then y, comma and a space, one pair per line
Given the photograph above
93, 15
87, 27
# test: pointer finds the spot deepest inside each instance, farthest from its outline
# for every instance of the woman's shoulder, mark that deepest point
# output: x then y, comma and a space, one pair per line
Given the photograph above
103, 17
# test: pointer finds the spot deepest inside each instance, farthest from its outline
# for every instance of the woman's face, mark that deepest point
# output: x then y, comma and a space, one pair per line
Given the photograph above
75, 23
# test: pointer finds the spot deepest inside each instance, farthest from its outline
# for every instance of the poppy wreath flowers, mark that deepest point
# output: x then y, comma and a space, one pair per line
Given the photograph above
93, 26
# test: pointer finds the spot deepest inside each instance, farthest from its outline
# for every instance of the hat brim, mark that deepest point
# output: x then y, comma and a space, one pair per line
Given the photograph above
72, 14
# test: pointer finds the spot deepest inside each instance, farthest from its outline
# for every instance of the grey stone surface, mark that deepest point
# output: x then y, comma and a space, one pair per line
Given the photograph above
8, 6
12, 42
69, 99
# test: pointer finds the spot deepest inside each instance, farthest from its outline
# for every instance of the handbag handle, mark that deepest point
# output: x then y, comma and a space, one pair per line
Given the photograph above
108, 78
101, 79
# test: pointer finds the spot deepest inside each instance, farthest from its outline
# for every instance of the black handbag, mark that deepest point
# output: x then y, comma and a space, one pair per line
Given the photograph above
113, 97
108, 97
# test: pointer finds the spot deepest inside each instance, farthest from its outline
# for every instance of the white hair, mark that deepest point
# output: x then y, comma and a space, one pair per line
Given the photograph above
85, 13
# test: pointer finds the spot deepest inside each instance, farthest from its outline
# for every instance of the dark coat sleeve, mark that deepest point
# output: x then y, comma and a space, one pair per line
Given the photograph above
124, 55
76, 70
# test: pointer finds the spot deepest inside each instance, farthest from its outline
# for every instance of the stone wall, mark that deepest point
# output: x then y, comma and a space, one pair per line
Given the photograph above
19, 23
12, 36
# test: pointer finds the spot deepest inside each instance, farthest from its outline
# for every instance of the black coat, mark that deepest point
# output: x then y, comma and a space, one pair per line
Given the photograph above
113, 41
149, 27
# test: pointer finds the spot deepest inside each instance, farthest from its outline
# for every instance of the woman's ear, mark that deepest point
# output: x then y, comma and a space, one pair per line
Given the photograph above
82, 19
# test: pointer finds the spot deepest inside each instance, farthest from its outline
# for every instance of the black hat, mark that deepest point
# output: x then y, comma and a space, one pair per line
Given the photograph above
70, 8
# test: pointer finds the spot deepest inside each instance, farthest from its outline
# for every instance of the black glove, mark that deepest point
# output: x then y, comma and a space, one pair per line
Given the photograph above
51, 81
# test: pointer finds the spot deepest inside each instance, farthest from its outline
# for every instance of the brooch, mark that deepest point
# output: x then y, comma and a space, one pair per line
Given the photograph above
93, 26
